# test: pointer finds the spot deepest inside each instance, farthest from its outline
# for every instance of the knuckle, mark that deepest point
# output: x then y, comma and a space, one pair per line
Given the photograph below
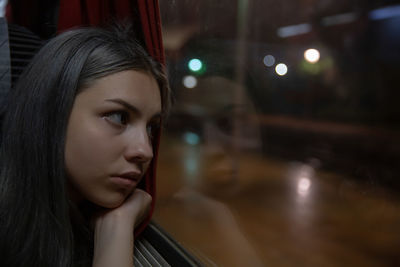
149, 198
146, 197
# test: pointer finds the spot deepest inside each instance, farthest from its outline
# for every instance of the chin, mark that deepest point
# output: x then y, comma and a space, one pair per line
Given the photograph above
110, 202
110, 205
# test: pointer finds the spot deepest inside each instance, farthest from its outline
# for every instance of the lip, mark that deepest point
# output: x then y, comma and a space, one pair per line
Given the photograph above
126, 179
131, 175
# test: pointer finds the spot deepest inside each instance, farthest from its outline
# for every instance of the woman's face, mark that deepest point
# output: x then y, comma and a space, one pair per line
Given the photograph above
109, 137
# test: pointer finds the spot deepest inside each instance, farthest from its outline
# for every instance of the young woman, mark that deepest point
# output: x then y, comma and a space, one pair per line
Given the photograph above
79, 134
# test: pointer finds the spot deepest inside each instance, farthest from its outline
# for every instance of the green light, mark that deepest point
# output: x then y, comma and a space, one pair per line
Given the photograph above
195, 64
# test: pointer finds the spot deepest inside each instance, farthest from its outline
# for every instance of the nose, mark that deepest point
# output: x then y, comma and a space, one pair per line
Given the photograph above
138, 146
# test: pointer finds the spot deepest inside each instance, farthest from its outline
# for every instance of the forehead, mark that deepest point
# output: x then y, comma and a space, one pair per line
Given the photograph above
135, 87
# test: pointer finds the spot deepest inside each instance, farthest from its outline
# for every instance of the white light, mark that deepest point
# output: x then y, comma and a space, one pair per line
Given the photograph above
303, 186
269, 60
312, 55
189, 81
281, 69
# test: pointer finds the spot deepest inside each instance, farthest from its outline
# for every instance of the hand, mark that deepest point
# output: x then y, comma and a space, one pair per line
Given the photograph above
132, 211
113, 241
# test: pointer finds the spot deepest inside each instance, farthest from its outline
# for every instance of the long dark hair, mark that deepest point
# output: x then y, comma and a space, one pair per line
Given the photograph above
36, 226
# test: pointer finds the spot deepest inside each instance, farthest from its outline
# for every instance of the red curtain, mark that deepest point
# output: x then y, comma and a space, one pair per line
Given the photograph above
151, 25
73, 13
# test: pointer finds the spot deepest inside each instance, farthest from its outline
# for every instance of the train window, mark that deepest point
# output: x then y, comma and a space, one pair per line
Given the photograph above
283, 144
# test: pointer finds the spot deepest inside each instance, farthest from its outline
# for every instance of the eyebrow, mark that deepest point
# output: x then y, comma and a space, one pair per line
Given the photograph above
131, 107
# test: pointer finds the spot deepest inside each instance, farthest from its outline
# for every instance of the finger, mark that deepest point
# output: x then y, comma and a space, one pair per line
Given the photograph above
139, 203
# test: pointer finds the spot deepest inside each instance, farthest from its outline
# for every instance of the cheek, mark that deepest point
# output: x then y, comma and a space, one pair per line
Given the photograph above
88, 151
90, 155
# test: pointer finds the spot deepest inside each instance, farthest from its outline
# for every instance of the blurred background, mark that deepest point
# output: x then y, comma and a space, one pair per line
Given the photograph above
283, 145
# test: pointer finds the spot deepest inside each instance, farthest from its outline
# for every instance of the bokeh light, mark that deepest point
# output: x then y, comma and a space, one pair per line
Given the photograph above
189, 81
195, 64
281, 69
269, 60
311, 55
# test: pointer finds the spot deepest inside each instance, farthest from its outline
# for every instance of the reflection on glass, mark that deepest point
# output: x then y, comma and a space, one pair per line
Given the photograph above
302, 176
213, 166
303, 186
191, 167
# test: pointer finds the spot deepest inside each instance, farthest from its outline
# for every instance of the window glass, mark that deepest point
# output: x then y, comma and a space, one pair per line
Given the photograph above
283, 144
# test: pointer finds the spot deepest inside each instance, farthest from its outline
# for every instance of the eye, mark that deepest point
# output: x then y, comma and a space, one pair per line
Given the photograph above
152, 128
119, 118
